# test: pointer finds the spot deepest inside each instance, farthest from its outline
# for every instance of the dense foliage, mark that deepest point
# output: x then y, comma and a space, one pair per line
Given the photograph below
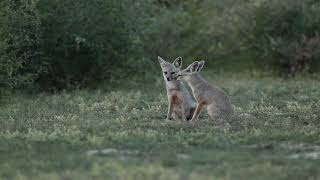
60, 44
66, 44
88, 41
287, 34
19, 44
280, 35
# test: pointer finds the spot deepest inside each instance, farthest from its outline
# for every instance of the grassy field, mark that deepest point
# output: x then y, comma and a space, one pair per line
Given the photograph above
123, 135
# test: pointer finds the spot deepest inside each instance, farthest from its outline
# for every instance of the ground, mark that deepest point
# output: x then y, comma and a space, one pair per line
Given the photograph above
123, 134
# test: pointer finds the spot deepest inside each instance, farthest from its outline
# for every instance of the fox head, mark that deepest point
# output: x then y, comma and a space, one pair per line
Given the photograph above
170, 70
192, 69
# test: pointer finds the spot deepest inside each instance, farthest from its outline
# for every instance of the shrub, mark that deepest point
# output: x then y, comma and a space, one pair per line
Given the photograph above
281, 35
197, 29
61, 44
19, 42
84, 43
285, 34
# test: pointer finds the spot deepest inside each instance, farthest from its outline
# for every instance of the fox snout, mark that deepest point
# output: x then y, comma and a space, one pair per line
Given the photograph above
179, 77
170, 77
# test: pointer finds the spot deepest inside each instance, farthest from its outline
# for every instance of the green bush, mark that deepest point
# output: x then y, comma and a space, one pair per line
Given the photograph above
61, 44
285, 34
281, 35
197, 29
19, 44
85, 43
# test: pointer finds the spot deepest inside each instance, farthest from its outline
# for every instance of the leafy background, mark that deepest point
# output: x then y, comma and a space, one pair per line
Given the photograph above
55, 45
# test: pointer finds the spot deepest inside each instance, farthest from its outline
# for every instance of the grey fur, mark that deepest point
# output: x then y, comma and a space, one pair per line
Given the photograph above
206, 94
181, 105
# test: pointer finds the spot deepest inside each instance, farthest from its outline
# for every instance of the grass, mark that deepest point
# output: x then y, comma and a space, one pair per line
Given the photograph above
123, 135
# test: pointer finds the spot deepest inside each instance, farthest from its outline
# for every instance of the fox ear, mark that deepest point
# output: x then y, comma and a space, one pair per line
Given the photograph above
177, 62
192, 68
161, 61
201, 64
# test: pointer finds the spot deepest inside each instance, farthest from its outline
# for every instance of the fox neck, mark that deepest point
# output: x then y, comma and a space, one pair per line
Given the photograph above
173, 85
196, 81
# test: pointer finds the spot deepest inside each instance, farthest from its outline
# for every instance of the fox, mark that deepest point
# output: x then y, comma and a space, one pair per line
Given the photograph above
215, 99
181, 104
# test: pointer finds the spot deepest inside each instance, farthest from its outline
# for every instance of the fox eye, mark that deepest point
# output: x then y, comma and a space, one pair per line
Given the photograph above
165, 72
173, 72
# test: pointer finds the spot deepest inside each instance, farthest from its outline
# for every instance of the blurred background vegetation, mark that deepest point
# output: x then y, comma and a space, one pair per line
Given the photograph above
55, 45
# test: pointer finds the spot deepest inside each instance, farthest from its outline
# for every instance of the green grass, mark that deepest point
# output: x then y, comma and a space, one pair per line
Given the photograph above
49, 136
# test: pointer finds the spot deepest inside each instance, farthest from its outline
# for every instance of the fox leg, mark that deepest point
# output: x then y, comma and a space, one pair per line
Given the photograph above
190, 113
183, 113
175, 116
183, 110
197, 111
170, 108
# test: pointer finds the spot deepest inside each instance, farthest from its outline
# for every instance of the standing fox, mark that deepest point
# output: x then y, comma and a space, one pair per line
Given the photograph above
181, 104
218, 104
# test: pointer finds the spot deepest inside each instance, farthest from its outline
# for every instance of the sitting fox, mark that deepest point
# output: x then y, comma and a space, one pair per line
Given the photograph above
181, 105
206, 94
